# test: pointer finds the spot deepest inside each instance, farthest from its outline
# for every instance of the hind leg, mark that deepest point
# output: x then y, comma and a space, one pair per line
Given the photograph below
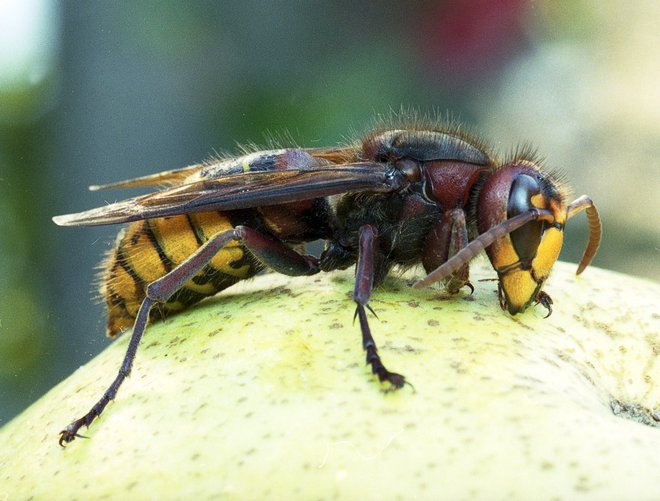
272, 252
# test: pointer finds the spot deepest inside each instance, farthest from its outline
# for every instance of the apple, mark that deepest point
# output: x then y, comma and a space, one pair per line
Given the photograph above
262, 393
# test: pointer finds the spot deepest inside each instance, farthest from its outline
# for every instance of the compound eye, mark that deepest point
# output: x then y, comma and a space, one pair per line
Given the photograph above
410, 169
527, 238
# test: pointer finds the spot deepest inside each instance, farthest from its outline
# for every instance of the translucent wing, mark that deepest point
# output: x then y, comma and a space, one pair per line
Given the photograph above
338, 155
244, 190
168, 177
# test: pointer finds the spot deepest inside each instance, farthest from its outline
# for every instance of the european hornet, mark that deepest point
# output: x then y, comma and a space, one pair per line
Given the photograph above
424, 193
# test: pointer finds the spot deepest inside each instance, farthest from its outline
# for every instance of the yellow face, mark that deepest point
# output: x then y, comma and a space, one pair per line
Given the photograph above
520, 283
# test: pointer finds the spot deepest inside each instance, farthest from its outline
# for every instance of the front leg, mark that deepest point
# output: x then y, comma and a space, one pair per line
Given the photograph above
364, 281
447, 238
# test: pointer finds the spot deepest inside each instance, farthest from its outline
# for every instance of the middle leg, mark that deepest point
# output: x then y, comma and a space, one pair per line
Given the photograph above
364, 282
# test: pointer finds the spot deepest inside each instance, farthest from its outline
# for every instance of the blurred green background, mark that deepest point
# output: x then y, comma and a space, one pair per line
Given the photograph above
92, 92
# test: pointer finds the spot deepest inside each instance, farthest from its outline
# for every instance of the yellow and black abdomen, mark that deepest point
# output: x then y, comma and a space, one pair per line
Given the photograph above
147, 250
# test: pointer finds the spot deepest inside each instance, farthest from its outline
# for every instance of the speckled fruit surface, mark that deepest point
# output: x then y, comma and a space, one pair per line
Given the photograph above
262, 393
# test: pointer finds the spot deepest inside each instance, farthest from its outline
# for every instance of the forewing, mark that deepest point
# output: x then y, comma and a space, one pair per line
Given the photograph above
245, 190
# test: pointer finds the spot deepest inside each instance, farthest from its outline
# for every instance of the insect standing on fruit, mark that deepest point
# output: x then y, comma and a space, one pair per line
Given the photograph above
402, 195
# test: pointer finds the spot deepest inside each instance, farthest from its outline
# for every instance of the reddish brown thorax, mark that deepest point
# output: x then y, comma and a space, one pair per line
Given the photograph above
449, 183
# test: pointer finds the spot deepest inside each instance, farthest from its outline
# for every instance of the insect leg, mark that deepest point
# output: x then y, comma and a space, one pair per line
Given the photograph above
363, 286
71, 431
158, 291
276, 255
273, 252
448, 237
457, 241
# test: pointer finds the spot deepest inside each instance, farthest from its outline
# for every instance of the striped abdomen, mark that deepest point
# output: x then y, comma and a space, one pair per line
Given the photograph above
147, 250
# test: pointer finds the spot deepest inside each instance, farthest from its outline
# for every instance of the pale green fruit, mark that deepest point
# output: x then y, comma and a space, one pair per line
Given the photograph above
262, 393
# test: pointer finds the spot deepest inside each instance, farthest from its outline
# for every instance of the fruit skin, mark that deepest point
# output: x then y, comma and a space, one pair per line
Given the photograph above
262, 392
